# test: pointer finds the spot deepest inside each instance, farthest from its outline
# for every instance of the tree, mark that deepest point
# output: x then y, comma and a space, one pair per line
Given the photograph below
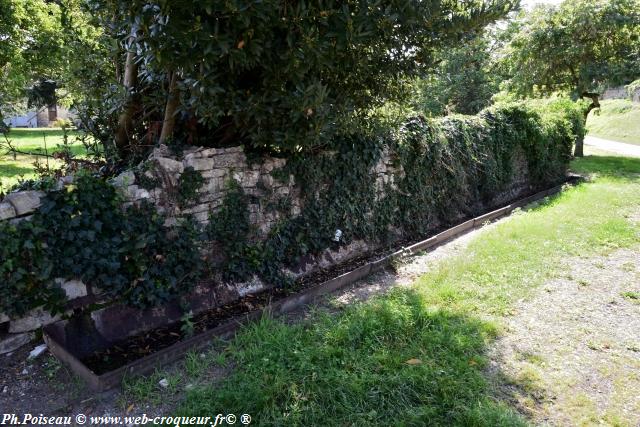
280, 75
30, 47
463, 80
578, 48
42, 43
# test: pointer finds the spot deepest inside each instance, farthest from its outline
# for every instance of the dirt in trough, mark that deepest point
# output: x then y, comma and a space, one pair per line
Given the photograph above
141, 345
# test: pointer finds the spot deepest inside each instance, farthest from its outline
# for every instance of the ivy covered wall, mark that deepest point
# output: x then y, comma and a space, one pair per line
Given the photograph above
244, 221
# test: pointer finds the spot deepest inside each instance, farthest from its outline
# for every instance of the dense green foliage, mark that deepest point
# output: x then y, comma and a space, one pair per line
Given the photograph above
577, 47
47, 48
271, 73
85, 233
452, 167
464, 80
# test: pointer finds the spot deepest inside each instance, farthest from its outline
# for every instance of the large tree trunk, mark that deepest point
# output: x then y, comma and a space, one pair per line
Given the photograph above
579, 150
130, 81
170, 110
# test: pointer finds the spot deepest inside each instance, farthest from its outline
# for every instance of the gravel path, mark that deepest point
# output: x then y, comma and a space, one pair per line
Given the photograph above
613, 146
572, 352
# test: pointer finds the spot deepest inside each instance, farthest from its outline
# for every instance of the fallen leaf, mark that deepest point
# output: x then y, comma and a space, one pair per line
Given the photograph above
240, 44
130, 408
413, 362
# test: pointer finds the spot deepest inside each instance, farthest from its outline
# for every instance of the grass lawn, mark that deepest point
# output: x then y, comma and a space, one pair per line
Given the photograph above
12, 169
618, 120
418, 355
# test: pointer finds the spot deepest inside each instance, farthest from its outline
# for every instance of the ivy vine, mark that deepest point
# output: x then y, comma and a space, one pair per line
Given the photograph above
451, 167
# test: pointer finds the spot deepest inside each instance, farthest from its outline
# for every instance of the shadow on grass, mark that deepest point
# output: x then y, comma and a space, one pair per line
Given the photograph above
608, 166
10, 170
19, 134
76, 150
392, 360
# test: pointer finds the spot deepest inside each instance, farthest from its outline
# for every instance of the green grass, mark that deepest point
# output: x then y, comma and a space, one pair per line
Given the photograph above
351, 368
15, 168
618, 120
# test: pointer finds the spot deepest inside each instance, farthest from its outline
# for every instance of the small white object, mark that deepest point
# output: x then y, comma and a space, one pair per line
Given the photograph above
337, 235
5, 389
164, 383
37, 351
24, 371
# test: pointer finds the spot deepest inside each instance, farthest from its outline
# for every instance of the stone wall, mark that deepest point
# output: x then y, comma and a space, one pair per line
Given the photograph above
621, 92
157, 180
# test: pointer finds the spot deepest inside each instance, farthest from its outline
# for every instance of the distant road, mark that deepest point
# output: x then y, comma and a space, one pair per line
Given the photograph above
613, 146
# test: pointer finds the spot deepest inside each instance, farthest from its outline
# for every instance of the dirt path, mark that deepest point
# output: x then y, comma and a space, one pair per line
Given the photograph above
573, 350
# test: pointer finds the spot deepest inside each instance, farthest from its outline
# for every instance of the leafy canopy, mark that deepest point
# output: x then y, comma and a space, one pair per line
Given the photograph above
284, 74
463, 81
42, 44
579, 47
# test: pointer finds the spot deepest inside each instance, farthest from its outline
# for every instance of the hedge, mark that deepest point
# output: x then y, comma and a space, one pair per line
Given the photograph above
452, 166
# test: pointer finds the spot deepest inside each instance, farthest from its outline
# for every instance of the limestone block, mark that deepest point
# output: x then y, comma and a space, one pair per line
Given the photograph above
282, 191
212, 185
64, 181
124, 179
250, 178
267, 166
253, 286
24, 201
199, 164
231, 160
214, 173
170, 165
12, 342
238, 176
191, 151
170, 222
141, 193
190, 157
236, 149
160, 151
196, 209
267, 180
32, 321
202, 217
279, 163
130, 192
254, 218
73, 288
209, 152
380, 167
6, 211
215, 197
